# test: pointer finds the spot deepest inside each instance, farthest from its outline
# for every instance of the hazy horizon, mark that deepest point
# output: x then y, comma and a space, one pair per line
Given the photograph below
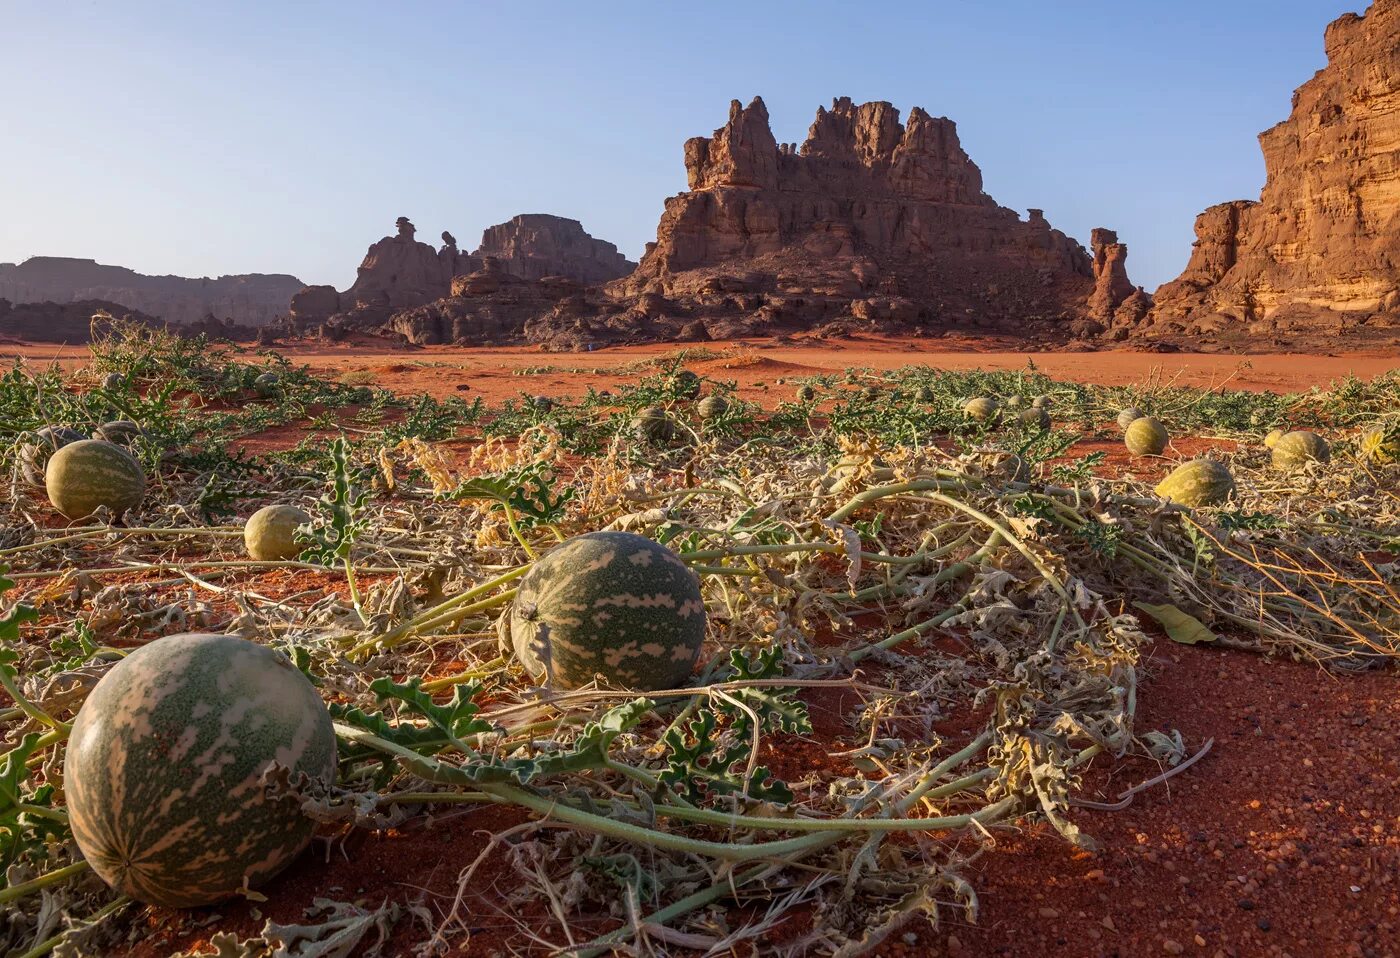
191, 141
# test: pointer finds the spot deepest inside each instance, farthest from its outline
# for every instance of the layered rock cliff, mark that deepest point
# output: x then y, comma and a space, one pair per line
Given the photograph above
1320, 250
252, 299
866, 207
535, 245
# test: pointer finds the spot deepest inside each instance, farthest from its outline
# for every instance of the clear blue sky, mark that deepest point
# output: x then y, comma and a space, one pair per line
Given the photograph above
200, 138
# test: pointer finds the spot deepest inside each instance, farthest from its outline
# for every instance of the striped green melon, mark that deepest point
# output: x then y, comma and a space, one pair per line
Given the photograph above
1035, 418
1128, 416
270, 533
806, 393
712, 407
1200, 482
982, 409
1380, 445
113, 381
1273, 437
90, 473
654, 425
164, 775
687, 384
614, 604
1294, 450
123, 432
1146, 436
924, 394
266, 385
35, 452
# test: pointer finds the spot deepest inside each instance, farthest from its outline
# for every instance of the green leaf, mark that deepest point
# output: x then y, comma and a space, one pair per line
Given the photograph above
1183, 628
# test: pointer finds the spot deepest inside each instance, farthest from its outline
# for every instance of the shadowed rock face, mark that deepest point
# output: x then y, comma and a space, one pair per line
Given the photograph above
400, 273
536, 245
252, 299
1318, 250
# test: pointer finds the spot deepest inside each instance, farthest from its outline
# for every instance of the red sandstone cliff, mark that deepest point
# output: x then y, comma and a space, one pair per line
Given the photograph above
866, 207
1318, 251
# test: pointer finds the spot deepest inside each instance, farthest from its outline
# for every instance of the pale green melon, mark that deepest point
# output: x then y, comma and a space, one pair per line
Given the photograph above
113, 381
122, 432
1200, 482
166, 768
687, 384
1128, 416
654, 425
1035, 418
982, 409
1041, 402
712, 407
90, 473
1014, 402
924, 394
1294, 450
270, 533
267, 385
1146, 436
610, 604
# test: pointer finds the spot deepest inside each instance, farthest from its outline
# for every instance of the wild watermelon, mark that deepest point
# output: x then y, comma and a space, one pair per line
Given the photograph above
90, 473
1034, 417
1273, 437
270, 533
806, 393
687, 384
1146, 436
267, 384
1128, 416
654, 425
982, 409
614, 604
1294, 450
1200, 482
123, 432
166, 766
712, 407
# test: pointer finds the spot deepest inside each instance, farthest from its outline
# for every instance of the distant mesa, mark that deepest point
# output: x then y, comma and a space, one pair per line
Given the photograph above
1317, 252
252, 299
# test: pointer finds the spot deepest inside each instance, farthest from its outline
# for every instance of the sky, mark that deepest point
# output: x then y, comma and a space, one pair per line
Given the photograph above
230, 137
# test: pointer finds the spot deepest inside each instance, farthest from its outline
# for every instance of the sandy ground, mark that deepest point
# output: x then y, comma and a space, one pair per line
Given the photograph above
499, 373
1284, 840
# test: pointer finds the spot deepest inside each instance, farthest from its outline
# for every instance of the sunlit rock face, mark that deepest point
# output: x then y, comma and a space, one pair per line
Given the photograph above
1320, 246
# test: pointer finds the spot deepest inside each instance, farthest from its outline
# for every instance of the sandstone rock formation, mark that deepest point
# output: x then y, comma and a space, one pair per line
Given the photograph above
1318, 250
866, 207
251, 299
536, 245
399, 273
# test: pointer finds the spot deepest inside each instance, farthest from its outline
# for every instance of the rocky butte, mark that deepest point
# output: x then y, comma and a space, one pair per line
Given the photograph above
1319, 252
869, 217
252, 299
400, 273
